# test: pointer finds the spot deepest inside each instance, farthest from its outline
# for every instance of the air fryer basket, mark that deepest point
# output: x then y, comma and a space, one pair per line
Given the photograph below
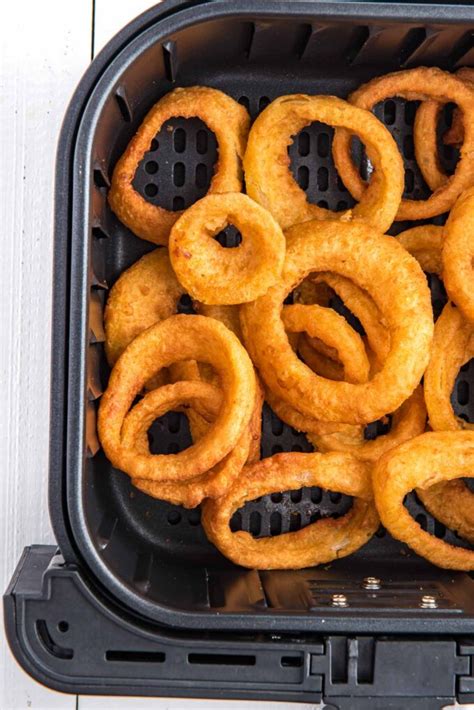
152, 556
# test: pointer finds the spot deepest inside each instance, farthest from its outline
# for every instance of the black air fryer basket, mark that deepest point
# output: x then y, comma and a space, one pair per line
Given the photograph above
136, 601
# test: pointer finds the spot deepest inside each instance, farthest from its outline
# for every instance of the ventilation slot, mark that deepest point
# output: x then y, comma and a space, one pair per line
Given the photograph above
291, 661
135, 656
221, 659
52, 648
101, 179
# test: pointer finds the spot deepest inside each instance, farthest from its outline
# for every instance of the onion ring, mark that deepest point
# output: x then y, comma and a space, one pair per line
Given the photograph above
146, 293
216, 275
228, 315
423, 83
425, 135
226, 118
425, 243
320, 542
199, 338
377, 264
453, 346
452, 503
421, 463
333, 330
218, 479
407, 422
268, 177
458, 254
320, 363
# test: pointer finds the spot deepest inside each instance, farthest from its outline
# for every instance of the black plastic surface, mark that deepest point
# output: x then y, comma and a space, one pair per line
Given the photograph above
69, 638
139, 547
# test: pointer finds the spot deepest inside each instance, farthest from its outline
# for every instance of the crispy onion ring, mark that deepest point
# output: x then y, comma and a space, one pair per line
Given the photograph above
229, 315
425, 130
421, 463
425, 243
218, 479
377, 264
178, 338
422, 84
268, 177
327, 325
226, 118
146, 293
452, 503
407, 422
453, 346
320, 542
216, 275
333, 330
311, 351
458, 254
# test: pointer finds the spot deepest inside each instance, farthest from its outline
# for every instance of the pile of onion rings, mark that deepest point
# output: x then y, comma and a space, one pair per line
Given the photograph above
265, 327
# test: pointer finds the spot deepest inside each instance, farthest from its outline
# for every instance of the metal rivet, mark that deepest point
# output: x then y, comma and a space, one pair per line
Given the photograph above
428, 602
371, 583
339, 600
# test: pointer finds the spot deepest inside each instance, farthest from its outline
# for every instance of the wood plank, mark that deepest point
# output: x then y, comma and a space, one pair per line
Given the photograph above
44, 51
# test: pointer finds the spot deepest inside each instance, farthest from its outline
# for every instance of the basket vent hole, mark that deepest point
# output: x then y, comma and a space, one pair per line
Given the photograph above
323, 204
296, 496
178, 203
154, 145
276, 497
63, 627
151, 167
303, 143
236, 521
151, 190
303, 177
410, 112
277, 425
335, 497
276, 449
409, 181
323, 179
255, 523
323, 146
275, 523
185, 304
439, 529
389, 112
179, 174
194, 517
244, 100
295, 521
342, 205
174, 517
179, 140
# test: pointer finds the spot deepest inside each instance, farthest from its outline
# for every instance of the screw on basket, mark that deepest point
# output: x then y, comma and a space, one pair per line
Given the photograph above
428, 602
372, 583
339, 600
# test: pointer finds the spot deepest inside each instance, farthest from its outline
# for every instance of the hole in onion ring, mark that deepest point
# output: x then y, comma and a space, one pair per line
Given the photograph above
313, 167
164, 429
229, 238
296, 510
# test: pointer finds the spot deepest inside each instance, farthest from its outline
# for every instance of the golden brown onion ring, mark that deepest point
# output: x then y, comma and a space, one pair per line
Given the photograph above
146, 293
214, 274
268, 177
453, 346
421, 463
226, 118
319, 542
178, 338
425, 135
458, 254
425, 243
423, 83
377, 264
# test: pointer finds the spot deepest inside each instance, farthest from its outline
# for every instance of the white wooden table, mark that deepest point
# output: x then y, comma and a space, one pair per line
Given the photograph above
45, 48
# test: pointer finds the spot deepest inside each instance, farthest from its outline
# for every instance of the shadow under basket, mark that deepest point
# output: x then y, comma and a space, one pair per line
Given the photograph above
138, 601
